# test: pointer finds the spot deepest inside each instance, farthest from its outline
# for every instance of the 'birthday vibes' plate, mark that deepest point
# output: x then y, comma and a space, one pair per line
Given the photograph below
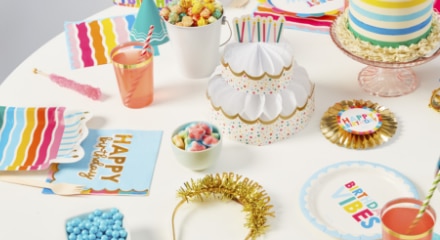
31, 138
344, 200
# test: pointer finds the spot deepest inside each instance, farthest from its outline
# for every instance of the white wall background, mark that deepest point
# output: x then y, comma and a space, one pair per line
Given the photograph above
25, 25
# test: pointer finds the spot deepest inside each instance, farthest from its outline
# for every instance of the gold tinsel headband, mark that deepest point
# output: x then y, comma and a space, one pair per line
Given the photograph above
230, 186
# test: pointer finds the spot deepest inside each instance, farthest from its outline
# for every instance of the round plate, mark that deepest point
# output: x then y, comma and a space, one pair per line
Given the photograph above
337, 196
309, 8
358, 124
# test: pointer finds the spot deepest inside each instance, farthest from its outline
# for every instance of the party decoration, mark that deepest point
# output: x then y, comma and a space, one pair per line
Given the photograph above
368, 51
332, 192
128, 3
84, 89
312, 16
147, 40
137, 3
434, 102
148, 15
34, 137
258, 29
116, 162
233, 187
358, 124
89, 43
426, 202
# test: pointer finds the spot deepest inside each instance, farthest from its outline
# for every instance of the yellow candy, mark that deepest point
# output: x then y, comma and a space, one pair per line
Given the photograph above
178, 141
185, 3
197, 7
202, 22
210, 6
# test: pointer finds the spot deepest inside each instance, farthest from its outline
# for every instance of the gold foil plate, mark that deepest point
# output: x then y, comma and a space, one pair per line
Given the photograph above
434, 103
332, 130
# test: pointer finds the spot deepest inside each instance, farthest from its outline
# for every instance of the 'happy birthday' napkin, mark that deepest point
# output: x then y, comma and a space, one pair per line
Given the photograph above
116, 162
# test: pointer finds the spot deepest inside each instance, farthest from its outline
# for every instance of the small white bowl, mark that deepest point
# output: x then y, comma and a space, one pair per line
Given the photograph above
197, 160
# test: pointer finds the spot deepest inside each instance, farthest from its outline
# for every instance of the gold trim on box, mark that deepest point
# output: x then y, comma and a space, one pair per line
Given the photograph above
239, 74
258, 120
331, 129
400, 54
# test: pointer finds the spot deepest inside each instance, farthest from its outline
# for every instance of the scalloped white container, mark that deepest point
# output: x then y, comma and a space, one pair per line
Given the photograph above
264, 118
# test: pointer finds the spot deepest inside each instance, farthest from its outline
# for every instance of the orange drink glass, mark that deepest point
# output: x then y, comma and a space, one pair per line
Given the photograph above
398, 216
134, 73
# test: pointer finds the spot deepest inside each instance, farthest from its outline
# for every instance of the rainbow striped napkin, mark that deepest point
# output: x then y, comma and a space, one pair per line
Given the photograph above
31, 138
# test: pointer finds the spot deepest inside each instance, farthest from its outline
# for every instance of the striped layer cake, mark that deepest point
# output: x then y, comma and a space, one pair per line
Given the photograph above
390, 23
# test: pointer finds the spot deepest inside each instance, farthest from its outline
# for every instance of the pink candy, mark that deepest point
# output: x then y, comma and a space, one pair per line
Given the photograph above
196, 137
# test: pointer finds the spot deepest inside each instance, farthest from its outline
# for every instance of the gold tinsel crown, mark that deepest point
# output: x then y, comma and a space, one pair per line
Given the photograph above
230, 186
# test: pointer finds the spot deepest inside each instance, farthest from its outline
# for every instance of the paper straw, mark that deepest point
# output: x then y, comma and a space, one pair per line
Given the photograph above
425, 203
147, 40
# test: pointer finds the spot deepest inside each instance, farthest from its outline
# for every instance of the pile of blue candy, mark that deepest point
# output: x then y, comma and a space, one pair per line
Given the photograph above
97, 225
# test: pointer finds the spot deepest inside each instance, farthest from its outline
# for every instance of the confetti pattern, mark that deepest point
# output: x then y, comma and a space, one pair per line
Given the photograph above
263, 134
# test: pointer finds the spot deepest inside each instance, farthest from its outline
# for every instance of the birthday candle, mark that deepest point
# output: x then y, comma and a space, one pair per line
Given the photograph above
253, 30
264, 30
248, 20
238, 29
281, 28
258, 27
269, 24
274, 31
242, 29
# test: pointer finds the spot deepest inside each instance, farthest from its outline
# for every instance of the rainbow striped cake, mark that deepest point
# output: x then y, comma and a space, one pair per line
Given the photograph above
390, 23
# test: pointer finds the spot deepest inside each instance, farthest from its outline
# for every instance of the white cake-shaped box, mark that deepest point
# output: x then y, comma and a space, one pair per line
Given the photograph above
259, 94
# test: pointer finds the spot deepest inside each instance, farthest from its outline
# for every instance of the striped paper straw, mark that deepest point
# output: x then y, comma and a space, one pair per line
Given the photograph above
425, 203
147, 40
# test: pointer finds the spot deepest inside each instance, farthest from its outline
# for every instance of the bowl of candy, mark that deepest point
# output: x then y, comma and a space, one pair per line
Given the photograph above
99, 224
196, 145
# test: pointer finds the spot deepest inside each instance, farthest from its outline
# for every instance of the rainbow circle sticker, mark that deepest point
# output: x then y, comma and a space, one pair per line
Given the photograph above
359, 120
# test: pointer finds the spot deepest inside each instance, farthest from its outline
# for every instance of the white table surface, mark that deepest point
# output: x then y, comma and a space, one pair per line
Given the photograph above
281, 168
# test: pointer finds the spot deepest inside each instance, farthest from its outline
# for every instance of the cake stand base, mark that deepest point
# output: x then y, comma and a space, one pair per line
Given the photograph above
388, 82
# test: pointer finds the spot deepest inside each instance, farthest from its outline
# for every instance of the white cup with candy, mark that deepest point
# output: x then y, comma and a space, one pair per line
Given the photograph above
196, 145
194, 28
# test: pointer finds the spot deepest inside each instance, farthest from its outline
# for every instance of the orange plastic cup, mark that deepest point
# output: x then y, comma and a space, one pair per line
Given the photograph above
134, 73
398, 216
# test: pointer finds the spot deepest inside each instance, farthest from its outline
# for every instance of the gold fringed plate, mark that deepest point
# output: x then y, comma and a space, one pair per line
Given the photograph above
434, 102
230, 186
358, 124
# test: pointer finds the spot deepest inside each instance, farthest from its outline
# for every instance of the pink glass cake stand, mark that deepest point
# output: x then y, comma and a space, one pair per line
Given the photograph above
385, 79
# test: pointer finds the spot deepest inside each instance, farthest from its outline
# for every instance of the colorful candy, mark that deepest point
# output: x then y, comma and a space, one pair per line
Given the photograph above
97, 225
196, 137
200, 12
